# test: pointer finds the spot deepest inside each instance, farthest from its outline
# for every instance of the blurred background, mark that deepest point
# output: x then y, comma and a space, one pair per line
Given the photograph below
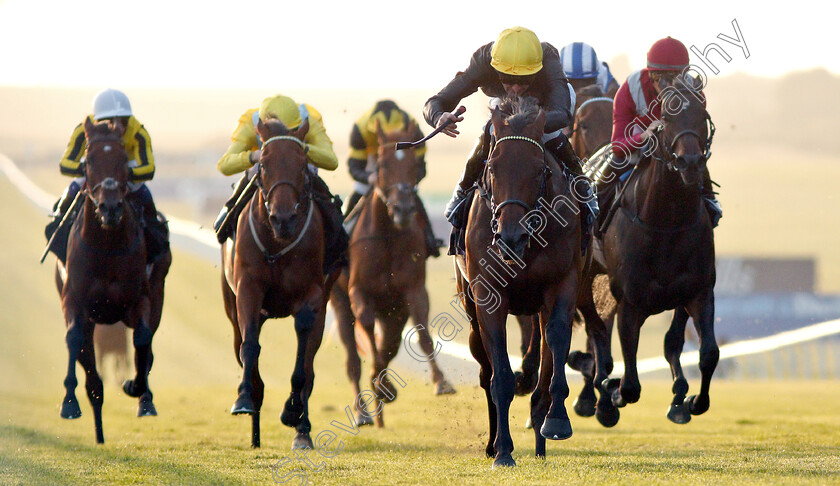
190, 69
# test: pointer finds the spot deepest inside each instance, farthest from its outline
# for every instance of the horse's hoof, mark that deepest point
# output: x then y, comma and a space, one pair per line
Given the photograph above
302, 441
696, 405
146, 409
490, 451
582, 362
556, 428
387, 393
243, 405
292, 414
131, 389
362, 420
607, 416
529, 424
504, 460
70, 409
679, 414
444, 388
525, 383
584, 407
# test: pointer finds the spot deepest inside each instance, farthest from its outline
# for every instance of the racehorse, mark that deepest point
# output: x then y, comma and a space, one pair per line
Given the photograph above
106, 278
659, 254
522, 257
274, 268
386, 277
592, 125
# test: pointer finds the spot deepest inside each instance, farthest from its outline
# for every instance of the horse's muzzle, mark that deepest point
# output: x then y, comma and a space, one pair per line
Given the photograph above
511, 244
283, 224
110, 213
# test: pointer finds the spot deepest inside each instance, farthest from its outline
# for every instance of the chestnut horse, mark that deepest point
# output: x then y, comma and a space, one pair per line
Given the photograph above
274, 268
106, 278
592, 126
522, 257
386, 277
659, 254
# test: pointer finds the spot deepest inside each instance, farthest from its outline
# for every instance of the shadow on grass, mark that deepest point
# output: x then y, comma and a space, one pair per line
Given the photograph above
32, 456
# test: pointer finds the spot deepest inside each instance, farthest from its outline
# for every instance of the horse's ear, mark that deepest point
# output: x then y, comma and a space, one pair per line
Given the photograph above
116, 125
88, 128
302, 130
411, 128
539, 122
496, 119
262, 129
380, 135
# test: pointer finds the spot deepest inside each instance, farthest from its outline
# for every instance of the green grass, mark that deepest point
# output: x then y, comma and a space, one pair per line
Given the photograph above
764, 432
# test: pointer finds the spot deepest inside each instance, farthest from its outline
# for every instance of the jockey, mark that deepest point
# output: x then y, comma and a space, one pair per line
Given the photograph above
516, 64
637, 104
245, 150
582, 68
364, 145
113, 105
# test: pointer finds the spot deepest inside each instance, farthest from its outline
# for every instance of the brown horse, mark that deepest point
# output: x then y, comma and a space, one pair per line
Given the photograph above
386, 278
106, 278
592, 126
522, 257
659, 254
274, 268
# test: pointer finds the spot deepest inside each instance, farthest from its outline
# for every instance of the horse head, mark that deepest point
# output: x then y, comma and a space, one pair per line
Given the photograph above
516, 170
396, 175
592, 127
106, 170
282, 176
686, 136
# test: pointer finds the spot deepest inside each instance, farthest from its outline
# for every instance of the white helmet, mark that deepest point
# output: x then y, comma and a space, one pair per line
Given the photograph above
111, 103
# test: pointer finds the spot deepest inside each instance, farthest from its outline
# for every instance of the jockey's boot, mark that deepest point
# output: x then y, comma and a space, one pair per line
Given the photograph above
712, 204
61, 207
433, 244
456, 209
227, 217
582, 188
335, 237
351, 202
155, 228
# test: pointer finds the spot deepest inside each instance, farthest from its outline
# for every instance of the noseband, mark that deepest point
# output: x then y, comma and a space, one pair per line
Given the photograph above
671, 159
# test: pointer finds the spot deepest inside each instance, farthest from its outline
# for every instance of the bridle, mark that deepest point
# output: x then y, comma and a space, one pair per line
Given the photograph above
401, 187
676, 163
496, 209
108, 183
303, 196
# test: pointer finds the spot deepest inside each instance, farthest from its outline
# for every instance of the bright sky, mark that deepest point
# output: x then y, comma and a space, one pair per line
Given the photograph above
367, 43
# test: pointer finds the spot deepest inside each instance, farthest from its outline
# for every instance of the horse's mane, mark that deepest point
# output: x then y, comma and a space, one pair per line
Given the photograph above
102, 132
520, 111
276, 125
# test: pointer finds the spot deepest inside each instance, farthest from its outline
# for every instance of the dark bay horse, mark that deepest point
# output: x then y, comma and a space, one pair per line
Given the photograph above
106, 278
522, 257
386, 277
659, 254
273, 269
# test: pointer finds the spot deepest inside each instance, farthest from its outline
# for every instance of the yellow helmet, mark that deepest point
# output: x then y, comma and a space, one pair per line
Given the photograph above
517, 51
283, 108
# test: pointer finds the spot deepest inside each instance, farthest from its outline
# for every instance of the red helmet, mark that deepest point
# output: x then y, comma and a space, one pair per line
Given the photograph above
667, 54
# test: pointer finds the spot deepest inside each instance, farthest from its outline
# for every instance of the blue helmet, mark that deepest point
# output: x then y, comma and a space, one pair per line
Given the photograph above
579, 61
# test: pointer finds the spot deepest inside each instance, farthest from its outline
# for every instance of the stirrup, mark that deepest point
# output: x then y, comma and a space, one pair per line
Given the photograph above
715, 210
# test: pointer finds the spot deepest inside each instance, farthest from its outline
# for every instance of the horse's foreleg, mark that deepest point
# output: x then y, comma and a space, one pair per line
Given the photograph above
702, 312
526, 380
558, 337
248, 305
484, 375
502, 383
75, 339
93, 383
630, 321
313, 343
598, 345
674, 341
418, 304
541, 399
347, 332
